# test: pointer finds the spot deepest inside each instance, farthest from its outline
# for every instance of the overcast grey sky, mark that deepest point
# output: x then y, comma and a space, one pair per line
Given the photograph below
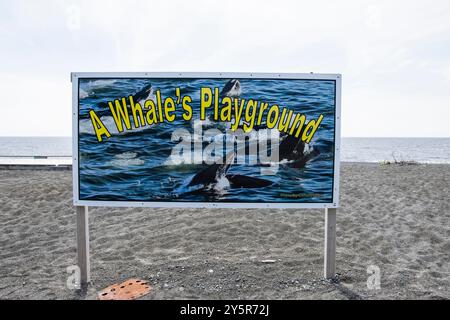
394, 55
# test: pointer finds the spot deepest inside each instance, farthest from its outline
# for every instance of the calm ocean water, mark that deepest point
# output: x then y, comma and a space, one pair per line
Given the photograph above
424, 150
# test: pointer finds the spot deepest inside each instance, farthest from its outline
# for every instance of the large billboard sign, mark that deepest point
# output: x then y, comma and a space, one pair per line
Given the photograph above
206, 140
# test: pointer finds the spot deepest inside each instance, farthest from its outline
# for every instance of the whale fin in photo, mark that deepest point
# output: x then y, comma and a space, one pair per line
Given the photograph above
241, 181
213, 173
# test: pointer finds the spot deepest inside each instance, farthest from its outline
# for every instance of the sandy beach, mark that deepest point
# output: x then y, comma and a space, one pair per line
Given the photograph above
394, 217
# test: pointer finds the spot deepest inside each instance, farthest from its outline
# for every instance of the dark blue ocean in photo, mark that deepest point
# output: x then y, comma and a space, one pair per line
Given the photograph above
135, 165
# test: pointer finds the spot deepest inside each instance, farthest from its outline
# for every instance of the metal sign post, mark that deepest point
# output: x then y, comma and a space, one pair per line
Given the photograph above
83, 244
330, 244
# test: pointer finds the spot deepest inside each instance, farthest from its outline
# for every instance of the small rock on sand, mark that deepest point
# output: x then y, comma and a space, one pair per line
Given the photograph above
268, 261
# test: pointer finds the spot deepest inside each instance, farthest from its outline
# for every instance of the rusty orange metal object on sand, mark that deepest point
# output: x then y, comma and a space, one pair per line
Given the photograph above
127, 290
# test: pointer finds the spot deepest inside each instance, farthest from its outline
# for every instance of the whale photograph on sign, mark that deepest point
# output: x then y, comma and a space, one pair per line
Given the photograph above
206, 139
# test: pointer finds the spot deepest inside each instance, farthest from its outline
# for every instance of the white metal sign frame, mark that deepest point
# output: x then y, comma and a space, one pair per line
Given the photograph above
75, 77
